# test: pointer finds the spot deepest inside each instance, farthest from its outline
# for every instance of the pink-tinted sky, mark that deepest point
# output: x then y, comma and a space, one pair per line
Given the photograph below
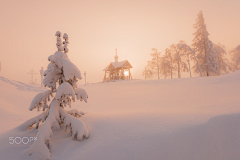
97, 27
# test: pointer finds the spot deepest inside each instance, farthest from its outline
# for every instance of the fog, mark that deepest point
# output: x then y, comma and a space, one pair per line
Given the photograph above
96, 28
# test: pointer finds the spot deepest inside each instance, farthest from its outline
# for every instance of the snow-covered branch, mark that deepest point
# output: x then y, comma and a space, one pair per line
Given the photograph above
40, 100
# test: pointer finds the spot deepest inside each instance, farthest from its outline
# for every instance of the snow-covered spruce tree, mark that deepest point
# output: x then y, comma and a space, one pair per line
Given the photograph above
203, 48
61, 77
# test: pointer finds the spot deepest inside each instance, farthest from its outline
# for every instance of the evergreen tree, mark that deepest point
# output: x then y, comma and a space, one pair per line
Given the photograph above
203, 48
61, 77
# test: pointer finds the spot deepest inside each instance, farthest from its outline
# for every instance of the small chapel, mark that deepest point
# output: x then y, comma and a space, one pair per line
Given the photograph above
117, 70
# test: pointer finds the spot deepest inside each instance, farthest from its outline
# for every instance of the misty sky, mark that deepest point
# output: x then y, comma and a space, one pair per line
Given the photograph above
96, 28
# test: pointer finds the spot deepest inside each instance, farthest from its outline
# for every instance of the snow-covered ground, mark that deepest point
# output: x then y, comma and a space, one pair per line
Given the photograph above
174, 119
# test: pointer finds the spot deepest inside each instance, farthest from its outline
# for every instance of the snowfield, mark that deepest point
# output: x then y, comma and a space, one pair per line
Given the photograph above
173, 119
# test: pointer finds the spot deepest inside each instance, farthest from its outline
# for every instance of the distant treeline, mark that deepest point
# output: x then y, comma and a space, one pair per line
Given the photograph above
203, 57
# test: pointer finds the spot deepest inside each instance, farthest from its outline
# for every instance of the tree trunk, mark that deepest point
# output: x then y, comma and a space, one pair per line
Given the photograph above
206, 57
171, 65
178, 70
189, 66
198, 66
219, 67
145, 73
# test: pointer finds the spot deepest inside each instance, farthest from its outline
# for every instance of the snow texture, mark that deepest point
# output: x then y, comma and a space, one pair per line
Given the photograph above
23, 86
57, 58
77, 128
59, 41
182, 119
64, 89
40, 100
45, 133
51, 78
81, 94
36, 120
70, 70
65, 43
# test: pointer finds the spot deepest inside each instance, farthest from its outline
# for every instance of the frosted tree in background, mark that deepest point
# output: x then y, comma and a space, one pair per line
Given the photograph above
235, 57
186, 54
178, 54
223, 63
147, 73
155, 62
165, 67
168, 59
203, 48
61, 77
190, 54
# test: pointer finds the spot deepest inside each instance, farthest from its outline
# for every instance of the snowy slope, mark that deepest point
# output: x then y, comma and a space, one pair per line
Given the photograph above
23, 86
14, 100
158, 119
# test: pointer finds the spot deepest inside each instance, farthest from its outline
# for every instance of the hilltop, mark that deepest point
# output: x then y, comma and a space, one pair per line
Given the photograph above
188, 118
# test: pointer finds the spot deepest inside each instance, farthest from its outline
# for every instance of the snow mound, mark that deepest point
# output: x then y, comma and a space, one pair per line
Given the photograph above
222, 137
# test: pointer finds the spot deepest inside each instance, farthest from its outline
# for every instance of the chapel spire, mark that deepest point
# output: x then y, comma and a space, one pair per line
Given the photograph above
116, 56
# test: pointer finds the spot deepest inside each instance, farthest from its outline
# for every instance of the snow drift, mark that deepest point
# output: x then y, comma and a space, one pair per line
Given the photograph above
185, 119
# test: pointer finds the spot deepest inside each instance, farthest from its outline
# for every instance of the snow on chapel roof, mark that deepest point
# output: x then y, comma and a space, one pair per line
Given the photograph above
124, 63
117, 64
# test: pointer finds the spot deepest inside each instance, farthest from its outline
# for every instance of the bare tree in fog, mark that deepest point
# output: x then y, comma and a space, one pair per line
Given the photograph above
165, 67
223, 63
235, 57
147, 73
155, 62
169, 58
